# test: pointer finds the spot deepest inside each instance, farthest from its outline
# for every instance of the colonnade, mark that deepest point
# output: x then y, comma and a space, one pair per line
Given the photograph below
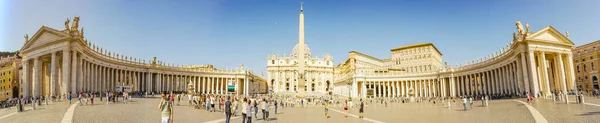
431, 87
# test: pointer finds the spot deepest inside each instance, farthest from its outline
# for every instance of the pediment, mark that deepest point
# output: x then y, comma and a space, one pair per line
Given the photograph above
44, 36
550, 35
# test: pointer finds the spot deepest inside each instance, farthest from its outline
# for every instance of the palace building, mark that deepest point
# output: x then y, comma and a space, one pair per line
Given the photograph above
300, 71
586, 69
534, 62
57, 62
9, 77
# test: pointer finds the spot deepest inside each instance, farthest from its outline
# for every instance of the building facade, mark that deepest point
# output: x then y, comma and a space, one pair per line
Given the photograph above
300, 71
62, 62
534, 62
9, 77
586, 69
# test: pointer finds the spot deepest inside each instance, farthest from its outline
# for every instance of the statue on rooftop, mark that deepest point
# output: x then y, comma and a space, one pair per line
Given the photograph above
26, 37
526, 27
519, 27
75, 23
67, 24
567, 33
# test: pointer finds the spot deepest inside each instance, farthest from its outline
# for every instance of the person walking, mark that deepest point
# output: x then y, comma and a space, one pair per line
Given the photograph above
70, 97
255, 105
166, 108
346, 108
227, 110
471, 102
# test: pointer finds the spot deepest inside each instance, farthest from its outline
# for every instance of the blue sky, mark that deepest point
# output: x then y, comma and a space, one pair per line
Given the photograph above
227, 33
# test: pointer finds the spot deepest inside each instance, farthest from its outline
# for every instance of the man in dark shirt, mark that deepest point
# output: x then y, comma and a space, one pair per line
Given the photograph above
227, 110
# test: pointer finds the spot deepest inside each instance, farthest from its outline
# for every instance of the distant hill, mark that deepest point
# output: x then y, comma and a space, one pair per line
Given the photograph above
8, 53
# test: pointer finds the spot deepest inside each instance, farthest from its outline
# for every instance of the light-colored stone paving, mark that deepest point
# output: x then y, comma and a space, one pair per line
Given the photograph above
559, 112
51, 113
144, 110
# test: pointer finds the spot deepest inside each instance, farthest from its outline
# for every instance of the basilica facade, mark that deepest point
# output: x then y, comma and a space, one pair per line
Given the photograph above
300, 71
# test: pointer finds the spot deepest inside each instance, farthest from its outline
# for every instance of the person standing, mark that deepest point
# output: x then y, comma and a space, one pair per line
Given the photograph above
227, 110
92, 98
244, 106
265, 110
326, 105
361, 109
166, 108
465, 103
249, 111
275, 101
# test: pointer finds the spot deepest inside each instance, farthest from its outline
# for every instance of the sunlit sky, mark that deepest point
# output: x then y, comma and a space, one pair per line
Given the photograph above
227, 33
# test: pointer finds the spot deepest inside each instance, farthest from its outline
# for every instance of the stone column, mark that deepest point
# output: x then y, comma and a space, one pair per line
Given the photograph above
533, 75
570, 72
54, 73
561, 76
66, 76
545, 73
37, 76
74, 73
525, 73
26, 78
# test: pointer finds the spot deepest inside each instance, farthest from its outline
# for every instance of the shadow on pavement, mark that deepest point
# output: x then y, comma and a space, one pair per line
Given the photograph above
590, 113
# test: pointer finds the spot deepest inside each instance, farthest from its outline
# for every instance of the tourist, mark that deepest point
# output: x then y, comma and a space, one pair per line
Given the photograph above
227, 110
465, 103
92, 99
471, 102
166, 108
178, 99
346, 108
361, 109
190, 99
235, 107
255, 105
265, 110
79, 98
449, 105
249, 111
326, 105
244, 106
275, 102
212, 103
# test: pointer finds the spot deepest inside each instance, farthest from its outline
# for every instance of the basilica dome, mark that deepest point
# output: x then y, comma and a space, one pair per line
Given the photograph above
295, 52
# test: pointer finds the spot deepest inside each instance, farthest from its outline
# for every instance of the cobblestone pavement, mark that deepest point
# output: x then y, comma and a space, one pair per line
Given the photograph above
51, 113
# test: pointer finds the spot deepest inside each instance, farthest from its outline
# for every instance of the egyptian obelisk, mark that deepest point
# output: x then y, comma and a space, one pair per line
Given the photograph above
301, 55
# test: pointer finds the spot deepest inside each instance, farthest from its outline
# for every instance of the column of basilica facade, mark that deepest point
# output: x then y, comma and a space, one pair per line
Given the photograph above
534, 62
58, 62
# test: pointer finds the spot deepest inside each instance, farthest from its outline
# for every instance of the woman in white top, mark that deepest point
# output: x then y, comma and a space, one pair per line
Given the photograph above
244, 105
